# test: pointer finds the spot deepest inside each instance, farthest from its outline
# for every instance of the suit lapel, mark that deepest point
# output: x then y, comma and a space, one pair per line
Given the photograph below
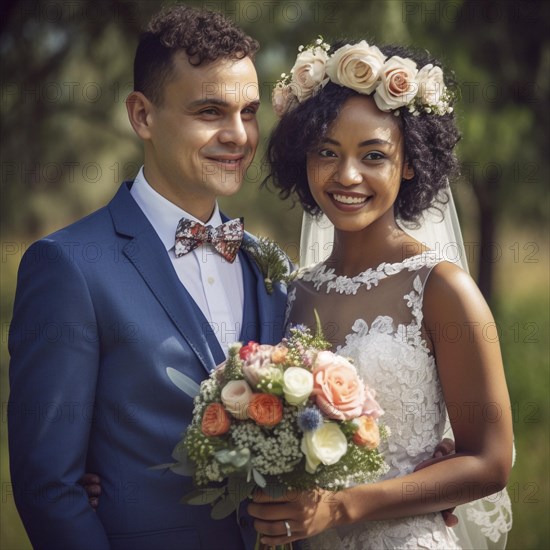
146, 252
270, 307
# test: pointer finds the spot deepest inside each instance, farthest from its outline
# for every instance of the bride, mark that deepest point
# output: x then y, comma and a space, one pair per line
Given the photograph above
366, 137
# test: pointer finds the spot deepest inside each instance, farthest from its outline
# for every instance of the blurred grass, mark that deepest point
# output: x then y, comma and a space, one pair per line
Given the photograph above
521, 312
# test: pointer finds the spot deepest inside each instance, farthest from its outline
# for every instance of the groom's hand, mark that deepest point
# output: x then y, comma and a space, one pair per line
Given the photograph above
445, 448
92, 486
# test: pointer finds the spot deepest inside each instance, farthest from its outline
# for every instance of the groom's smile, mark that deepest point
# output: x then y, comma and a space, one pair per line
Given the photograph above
202, 136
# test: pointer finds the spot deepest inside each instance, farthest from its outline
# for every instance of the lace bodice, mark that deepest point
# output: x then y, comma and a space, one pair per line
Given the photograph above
376, 319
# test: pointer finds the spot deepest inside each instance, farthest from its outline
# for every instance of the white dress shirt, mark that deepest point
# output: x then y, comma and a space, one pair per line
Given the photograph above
215, 285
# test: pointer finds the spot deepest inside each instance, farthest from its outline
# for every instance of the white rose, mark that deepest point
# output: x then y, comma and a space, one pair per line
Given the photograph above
328, 445
398, 84
308, 72
430, 84
236, 396
356, 66
297, 385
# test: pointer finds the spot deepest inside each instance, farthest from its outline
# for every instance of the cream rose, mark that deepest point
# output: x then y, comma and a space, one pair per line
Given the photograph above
308, 72
236, 396
326, 445
430, 84
356, 66
398, 84
339, 392
297, 385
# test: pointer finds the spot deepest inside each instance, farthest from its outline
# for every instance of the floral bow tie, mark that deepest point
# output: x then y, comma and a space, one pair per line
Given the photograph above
226, 238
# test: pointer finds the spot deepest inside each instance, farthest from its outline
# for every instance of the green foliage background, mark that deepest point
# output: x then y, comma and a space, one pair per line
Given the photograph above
66, 145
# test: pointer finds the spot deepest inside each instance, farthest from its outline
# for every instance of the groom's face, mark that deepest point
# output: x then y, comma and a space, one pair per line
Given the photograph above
204, 134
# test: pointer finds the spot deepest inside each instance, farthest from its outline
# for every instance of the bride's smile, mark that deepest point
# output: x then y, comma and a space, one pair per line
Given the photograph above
356, 172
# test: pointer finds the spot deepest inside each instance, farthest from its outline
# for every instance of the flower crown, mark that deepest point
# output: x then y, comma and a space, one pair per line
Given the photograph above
394, 82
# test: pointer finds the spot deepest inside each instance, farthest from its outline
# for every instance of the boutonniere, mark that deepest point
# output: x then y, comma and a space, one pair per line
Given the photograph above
271, 260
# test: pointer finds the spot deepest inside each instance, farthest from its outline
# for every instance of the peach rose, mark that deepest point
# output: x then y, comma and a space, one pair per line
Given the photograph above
338, 390
265, 409
398, 84
371, 406
278, 355
368, 434
215, 420
236, 396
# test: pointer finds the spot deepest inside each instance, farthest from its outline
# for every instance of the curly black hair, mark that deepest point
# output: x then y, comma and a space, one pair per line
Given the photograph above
204, 35
429, 141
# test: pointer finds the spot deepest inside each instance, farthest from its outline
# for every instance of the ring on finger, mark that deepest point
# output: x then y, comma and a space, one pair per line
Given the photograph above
287, 527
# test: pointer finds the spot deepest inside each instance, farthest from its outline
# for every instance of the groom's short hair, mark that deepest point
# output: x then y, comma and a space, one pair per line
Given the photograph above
203, 35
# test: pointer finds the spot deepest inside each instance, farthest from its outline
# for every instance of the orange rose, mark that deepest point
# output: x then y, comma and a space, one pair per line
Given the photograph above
368, 434
215, 420
265, 409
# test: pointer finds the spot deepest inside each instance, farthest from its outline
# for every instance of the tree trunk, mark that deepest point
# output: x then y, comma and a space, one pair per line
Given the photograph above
489, 251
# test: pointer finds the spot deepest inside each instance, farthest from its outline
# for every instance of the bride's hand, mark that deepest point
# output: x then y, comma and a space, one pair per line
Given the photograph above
445, 448
92, 486
302, 514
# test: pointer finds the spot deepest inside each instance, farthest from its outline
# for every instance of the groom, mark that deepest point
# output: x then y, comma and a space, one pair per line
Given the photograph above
96, 397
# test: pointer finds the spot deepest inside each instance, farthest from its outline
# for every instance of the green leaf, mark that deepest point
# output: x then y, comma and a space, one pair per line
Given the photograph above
318, 325
180, 452
236, 457
259, 478
239, 488
183, 469
223, 508
163, 466
203, 496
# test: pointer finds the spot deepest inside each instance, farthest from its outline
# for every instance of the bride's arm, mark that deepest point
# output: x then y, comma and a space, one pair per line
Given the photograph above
472, 377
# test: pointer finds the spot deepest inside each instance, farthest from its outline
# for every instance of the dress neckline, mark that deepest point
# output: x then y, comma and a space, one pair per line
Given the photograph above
320, 274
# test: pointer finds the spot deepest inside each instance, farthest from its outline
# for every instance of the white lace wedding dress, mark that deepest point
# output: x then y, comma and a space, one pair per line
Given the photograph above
375, 319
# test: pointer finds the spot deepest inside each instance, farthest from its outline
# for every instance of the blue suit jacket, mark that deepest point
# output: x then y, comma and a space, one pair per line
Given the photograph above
99, 315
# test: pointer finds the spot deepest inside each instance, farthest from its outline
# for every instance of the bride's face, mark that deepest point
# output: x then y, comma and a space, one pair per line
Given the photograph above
355, 174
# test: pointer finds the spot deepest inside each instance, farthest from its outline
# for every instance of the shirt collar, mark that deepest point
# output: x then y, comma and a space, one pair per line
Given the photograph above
163, 214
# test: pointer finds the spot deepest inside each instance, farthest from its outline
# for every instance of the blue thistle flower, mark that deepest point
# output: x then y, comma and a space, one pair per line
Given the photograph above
309, 419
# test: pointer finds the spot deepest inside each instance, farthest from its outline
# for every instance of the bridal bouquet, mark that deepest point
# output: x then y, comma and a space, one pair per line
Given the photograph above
290, 416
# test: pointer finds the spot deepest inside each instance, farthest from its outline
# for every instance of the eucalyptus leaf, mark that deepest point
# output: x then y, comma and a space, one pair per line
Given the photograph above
183, 382
180, 453
238, 488
183, 468
163, 466
236, 457
259, 478
203, 496
223, 508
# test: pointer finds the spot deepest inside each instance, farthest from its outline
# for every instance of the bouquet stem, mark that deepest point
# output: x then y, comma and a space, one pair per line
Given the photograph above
261, 546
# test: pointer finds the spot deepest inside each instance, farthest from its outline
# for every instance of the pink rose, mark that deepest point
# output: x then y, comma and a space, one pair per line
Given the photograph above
284, 99
258, 364
398, 84
338, 390
371, 406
